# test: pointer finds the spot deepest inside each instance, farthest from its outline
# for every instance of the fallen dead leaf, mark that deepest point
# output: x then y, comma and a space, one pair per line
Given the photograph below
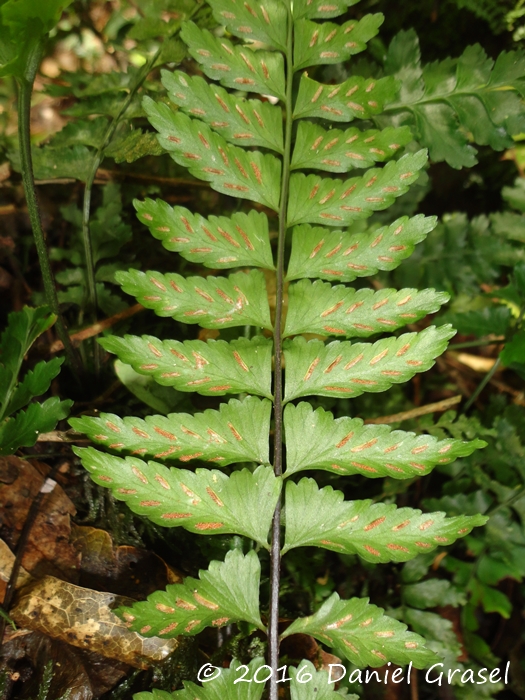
48, 551
123, 570
84, 618
7, 559
475, 362
85, 675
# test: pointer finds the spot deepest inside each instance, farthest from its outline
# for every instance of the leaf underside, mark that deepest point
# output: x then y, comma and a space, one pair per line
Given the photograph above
377, 532
345, 446
204, 501
227, 592
345, 369
359, 632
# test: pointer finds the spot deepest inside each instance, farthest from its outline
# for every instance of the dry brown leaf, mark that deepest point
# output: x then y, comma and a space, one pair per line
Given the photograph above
84, 618
47, 551
83, 674
123, 570
7, 559
475, 362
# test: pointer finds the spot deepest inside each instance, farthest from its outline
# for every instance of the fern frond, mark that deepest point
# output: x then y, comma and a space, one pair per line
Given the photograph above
359, 632
345, 446
214, 302
340, 151
343, 369
236, 67
319, 307
317, 44
218, 242
356, 98
376, 531
342, 256
227, 592
202, 501
253, 21
241, 122
318, 200
229, 169
212, 368
237, 432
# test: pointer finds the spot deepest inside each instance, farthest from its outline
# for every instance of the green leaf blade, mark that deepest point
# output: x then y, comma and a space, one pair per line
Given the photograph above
345, 446
326, 310
337, 203
229, 169
214, 302
237, 432
35, 383
212, 368
23, 429
340, 151
251, 21
326, 43
241, 122
204, 501
227, 592
220, 242
361, 633
356, 98
237, 67
377, 532
341, 256
344, 369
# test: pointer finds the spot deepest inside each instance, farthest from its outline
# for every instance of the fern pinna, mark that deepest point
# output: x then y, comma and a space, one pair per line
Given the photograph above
215, 132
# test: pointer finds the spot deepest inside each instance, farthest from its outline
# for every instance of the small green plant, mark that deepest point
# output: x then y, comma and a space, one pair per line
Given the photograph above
20, 428
24, 27
268, 501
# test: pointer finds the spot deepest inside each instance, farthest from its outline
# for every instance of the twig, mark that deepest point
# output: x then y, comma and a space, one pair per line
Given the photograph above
415, 412
48, 486
477, 343
96, 328
64, 436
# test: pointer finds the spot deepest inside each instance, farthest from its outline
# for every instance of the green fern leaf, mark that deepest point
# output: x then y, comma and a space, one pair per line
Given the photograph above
342, 256
204, 501
218, 242
314, 199
229, 169
214, 302
252, 21
221, 685
345, 446
340, 151
211, 368
237, 432
359, 632
307, 683
448, 102
321, 9
320, 308
376, 532
241, 122
227, 592
22, 430
35, 383
356, 98
236, 67
317, 44
344, 369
